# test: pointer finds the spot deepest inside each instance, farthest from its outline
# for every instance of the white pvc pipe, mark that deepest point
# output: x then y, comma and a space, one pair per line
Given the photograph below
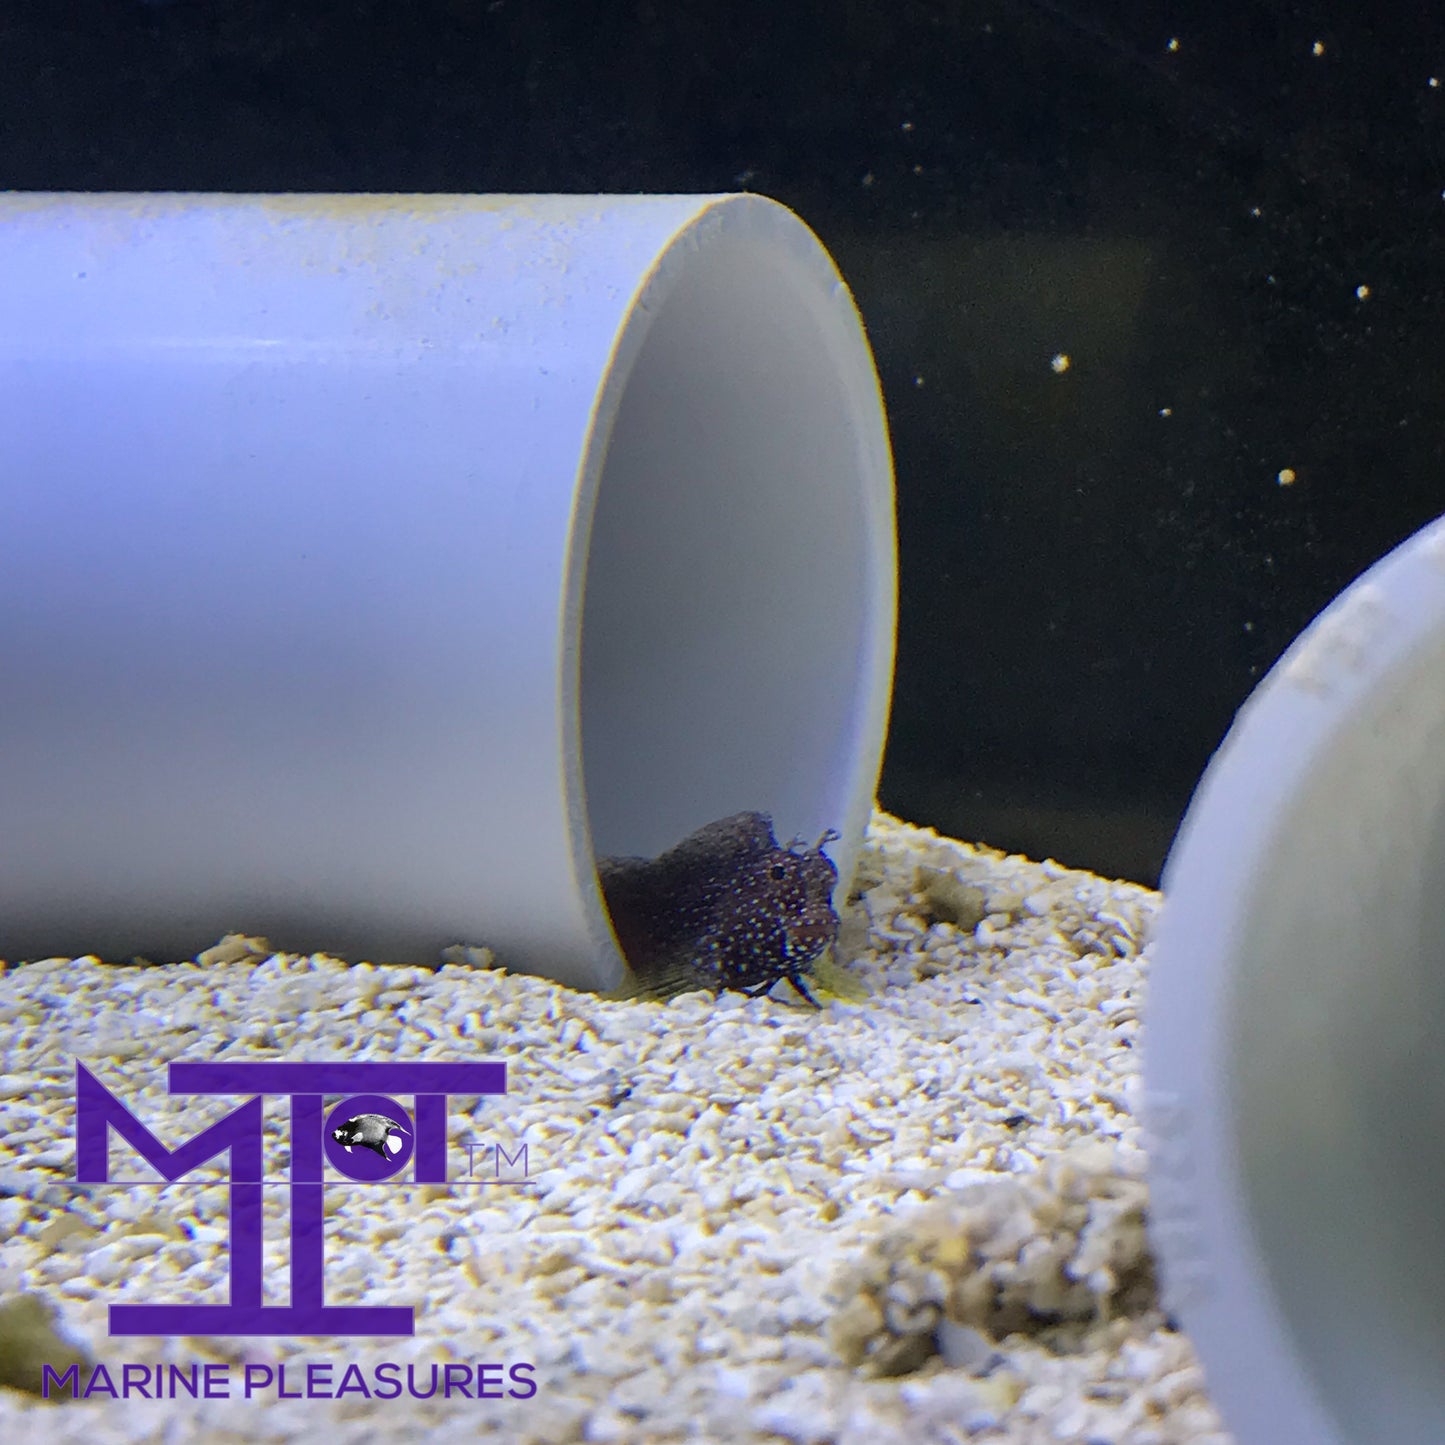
369, 564
1295, 1095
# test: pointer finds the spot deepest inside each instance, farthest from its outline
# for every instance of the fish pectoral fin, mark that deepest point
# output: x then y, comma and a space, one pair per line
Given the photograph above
660, 980
831, 980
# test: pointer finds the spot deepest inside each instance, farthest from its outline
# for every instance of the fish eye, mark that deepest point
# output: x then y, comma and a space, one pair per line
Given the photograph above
779, 872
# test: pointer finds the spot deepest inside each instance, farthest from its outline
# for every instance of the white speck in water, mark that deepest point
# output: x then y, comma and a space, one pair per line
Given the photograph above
1362, 293
1317, 49
1173, 46
1286, 477
1060, 361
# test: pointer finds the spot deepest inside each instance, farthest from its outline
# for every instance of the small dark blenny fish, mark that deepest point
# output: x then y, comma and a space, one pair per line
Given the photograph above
728, 907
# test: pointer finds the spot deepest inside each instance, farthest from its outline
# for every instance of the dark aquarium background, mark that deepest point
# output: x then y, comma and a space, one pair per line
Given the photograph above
1157, 293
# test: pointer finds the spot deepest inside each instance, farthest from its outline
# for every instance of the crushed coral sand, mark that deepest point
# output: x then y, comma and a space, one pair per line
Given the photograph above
912, 1218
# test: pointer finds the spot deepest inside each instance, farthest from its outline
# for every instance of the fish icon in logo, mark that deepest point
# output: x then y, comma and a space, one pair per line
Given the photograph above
371, 1131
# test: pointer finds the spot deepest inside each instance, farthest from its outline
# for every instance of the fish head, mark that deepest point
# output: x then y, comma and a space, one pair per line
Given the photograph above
783, 900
